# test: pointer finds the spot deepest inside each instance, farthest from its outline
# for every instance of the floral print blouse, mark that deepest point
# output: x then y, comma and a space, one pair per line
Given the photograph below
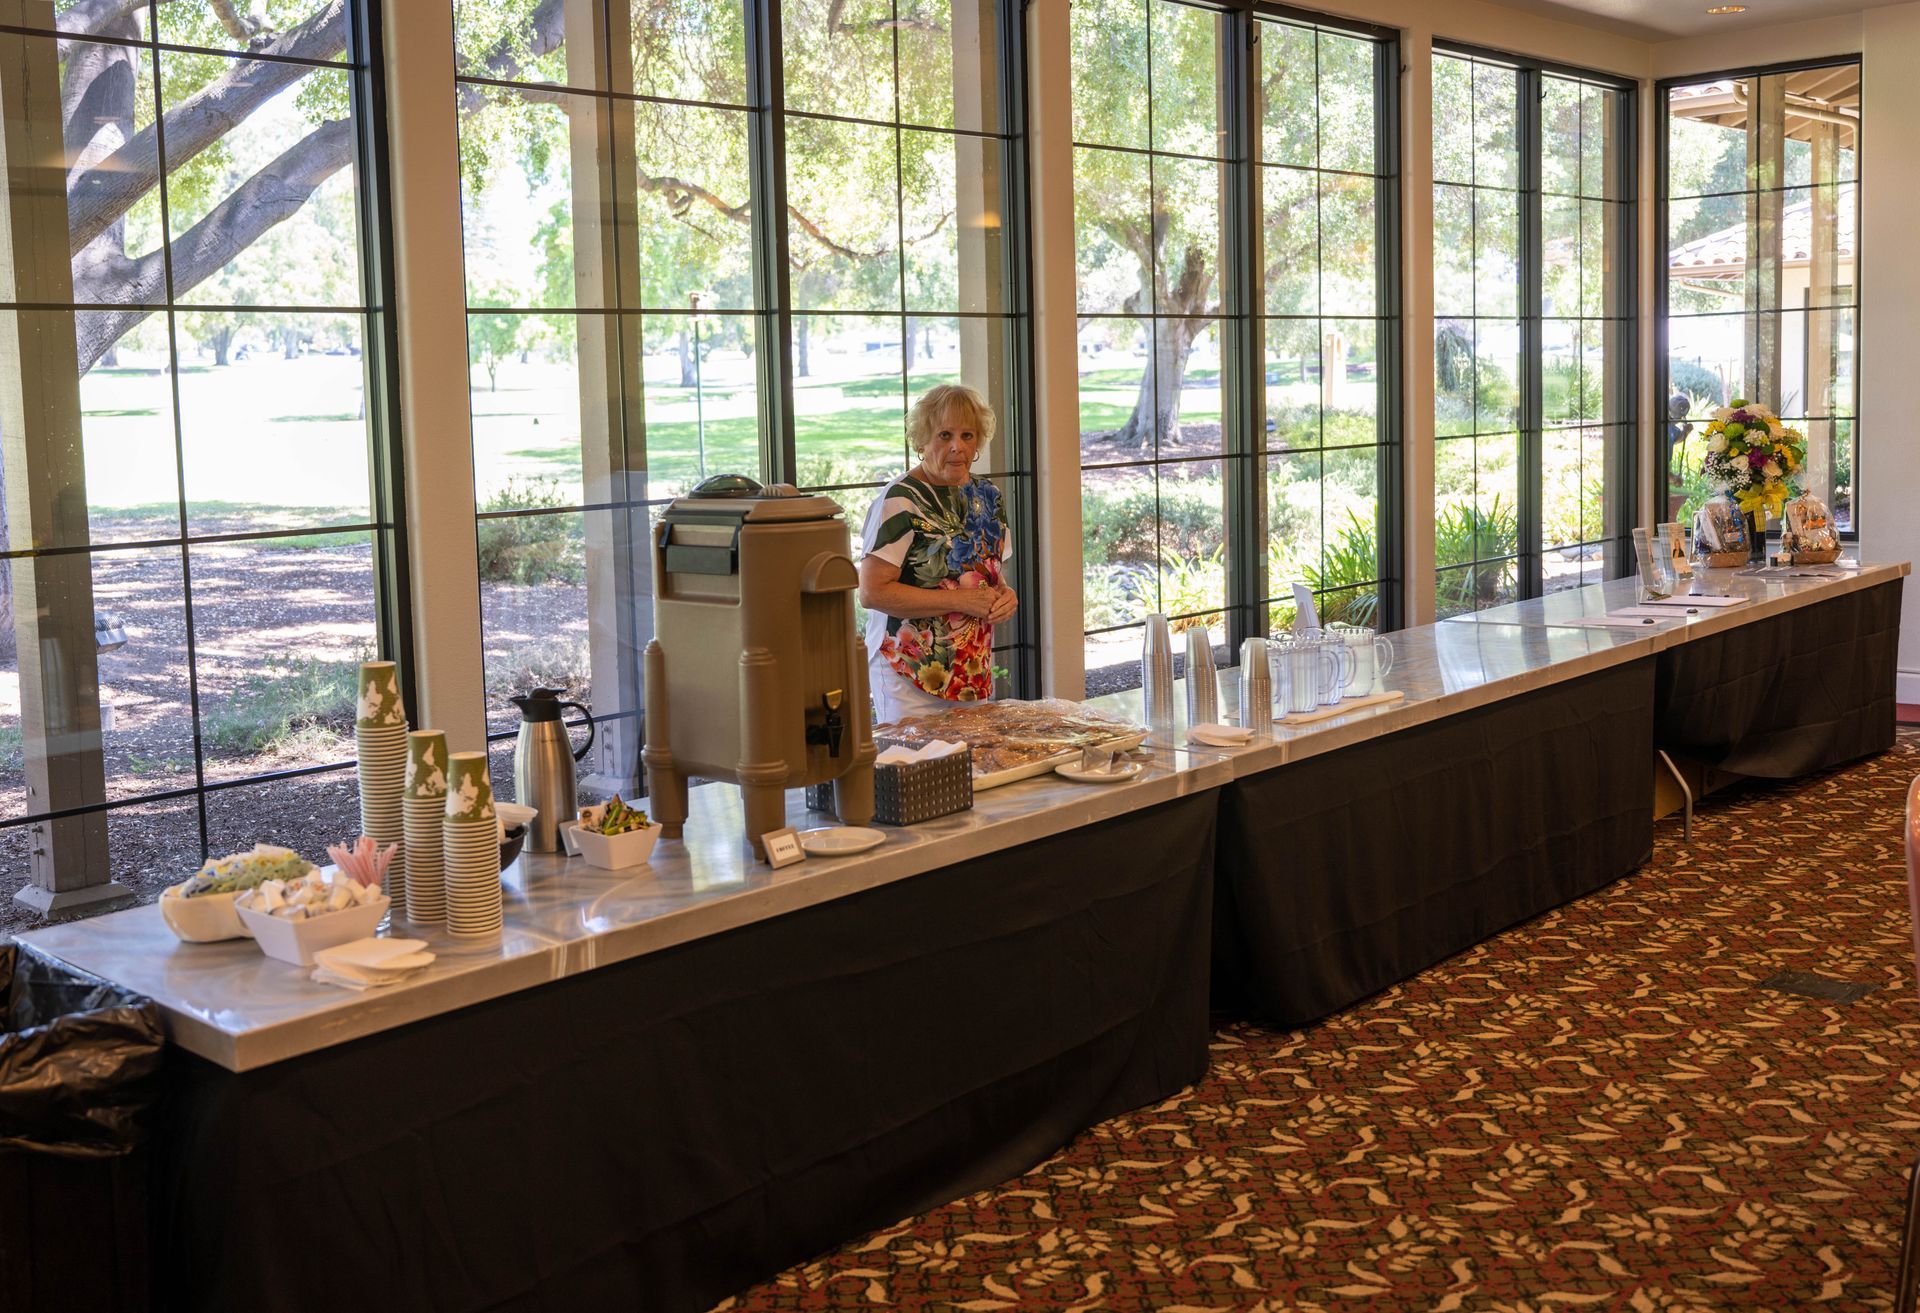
940, 537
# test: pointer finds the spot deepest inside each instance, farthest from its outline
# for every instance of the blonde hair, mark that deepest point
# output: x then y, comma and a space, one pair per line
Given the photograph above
933, 404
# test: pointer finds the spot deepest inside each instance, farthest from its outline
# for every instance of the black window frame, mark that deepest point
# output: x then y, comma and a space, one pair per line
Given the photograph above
1250, 593
1657, 472
363, 66
1622, 477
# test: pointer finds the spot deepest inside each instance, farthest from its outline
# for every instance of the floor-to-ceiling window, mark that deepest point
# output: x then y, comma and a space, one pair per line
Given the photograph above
193, 393
1328, 427
903, 251
1759, 185
1234, 205
1533, 311
704, 237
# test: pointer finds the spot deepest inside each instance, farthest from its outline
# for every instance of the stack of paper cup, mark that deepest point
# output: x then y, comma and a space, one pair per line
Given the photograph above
472, 838
426, 814
380, 730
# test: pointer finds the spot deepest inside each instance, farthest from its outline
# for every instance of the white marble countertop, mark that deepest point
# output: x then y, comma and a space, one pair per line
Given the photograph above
232, 1005
1468, 661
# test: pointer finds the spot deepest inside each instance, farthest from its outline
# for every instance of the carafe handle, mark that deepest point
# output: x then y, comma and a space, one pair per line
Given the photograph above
1383, 666
588, 745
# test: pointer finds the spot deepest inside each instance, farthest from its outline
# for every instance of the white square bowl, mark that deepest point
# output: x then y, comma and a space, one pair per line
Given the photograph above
298, 941
611, 852
206, 919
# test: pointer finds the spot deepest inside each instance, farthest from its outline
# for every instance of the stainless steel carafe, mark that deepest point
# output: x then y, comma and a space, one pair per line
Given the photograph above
543, 758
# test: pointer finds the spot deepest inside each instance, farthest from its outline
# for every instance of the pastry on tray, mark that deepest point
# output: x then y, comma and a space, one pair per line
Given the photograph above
1008, 735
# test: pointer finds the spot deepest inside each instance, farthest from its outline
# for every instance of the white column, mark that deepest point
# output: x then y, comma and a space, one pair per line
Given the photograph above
430, 328
45, 492
1056, 349
1888, 474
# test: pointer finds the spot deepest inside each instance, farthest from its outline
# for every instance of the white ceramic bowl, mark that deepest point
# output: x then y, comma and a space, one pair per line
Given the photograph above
611, 852
512, 815
298, 941
204, 920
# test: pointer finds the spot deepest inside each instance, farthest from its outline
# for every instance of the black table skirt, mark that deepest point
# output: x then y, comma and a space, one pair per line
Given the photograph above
658, 1134
1351, 871
1786, 696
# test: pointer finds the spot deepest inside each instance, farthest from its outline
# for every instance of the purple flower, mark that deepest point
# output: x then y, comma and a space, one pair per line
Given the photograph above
1740, 417
1756, 458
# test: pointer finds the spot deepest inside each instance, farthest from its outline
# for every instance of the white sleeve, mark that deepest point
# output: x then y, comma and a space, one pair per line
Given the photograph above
884, 508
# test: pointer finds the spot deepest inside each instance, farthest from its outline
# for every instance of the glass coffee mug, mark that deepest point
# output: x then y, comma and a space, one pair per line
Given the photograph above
1372, 657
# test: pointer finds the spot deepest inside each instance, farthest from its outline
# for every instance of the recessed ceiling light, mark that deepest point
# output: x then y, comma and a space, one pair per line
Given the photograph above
1728, 9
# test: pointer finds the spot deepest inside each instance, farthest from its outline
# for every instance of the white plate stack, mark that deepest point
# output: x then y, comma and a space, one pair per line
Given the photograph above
380, 731
472, 838
426, 814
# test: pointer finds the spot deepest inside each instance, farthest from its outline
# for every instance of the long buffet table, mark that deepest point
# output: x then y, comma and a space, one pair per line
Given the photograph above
655, 1089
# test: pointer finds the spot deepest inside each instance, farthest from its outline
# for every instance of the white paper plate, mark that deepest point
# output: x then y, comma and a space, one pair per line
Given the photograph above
839, 840
1121, 772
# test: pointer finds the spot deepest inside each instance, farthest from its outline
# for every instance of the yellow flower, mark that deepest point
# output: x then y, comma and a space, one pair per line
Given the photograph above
932, 677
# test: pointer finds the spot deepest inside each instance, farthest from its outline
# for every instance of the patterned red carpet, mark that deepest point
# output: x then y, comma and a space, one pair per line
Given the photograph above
1601, 1108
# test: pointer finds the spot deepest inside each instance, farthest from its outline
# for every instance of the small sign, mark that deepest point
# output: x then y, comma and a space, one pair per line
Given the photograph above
783, 847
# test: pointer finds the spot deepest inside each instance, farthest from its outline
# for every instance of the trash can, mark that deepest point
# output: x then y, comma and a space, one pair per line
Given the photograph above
79, 1067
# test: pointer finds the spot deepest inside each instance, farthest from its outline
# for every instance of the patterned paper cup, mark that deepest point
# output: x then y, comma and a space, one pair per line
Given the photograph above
469, 787
380, 695
426, 764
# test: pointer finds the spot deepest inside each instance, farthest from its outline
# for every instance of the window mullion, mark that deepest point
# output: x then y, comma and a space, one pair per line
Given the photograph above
1532, 345
1242, 412
772, 282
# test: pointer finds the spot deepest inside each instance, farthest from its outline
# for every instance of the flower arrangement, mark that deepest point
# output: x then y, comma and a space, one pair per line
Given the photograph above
1753, 457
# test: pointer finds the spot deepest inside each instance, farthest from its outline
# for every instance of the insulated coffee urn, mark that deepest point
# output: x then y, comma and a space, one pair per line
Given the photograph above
755, 673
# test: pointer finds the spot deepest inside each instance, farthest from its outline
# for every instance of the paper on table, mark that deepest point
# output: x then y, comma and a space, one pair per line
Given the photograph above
1615, 621
1216, 735
368, 963
1697, 599
899, 756
1646, 609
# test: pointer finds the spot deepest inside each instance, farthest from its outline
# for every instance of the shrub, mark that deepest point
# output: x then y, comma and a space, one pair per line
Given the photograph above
1460, 534
1121, 525
301, 700
1192, 584
559, 661
531, 549
1697, 382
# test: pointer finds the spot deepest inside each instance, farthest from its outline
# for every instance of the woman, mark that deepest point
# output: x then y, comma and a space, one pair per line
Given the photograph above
931, 581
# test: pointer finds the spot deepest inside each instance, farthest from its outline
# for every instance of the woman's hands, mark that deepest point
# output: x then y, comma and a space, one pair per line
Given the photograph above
881, 590
976, 602
1005, 603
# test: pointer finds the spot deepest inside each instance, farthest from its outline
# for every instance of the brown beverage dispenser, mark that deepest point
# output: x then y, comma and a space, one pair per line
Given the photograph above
755, 673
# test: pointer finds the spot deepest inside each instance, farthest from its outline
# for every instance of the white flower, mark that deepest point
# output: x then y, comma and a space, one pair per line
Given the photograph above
1722, 413
1755, 408
1719, 444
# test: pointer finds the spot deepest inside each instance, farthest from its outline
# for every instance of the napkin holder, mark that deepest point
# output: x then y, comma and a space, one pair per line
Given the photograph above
915, 791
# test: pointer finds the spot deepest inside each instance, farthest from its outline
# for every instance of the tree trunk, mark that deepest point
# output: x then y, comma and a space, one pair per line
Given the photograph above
686, 357
1183, 299
1157, 407
802, 341
222, 343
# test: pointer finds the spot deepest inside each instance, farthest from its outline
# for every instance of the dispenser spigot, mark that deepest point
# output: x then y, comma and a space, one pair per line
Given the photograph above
833, 726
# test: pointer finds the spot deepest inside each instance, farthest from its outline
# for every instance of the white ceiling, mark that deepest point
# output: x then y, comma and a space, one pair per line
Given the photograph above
1663, 20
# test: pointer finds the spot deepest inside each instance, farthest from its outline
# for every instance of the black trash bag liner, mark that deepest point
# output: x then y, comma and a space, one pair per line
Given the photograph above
79, 1059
